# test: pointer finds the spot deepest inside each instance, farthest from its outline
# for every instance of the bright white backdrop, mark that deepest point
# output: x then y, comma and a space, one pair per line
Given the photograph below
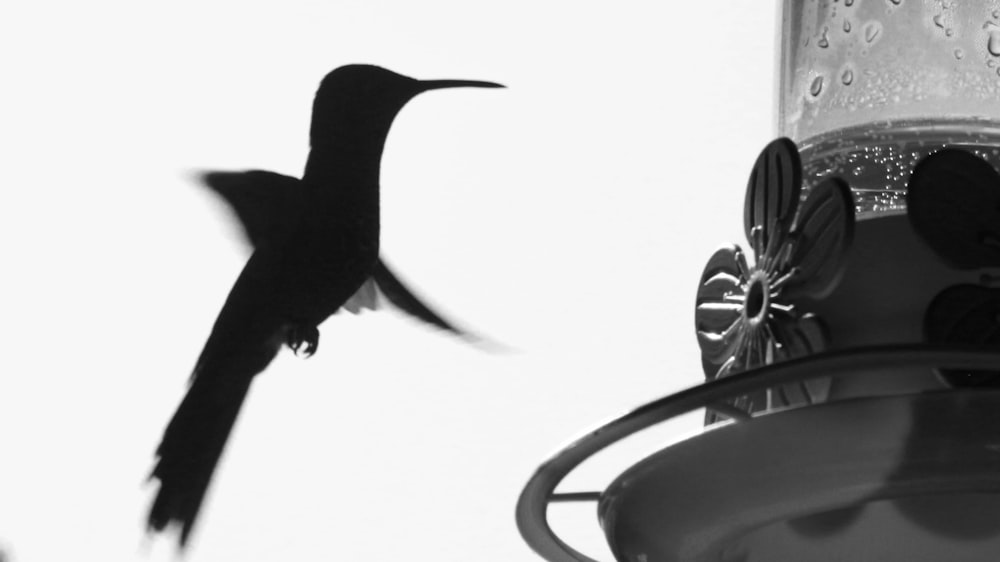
567, 217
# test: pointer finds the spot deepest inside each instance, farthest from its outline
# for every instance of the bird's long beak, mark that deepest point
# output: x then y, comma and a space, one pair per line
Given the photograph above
437, 84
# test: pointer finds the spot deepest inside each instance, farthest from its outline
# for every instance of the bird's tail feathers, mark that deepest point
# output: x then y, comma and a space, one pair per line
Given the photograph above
192, 445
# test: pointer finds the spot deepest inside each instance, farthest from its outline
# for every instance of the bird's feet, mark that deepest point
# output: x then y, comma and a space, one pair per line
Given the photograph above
304, 338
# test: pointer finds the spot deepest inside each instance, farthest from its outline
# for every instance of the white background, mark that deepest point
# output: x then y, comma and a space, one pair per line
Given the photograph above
567, 217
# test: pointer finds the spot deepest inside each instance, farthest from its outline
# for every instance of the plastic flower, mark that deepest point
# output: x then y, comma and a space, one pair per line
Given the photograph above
746, 314
953, 202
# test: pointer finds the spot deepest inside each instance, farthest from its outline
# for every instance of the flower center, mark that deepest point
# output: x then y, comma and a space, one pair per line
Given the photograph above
757, 301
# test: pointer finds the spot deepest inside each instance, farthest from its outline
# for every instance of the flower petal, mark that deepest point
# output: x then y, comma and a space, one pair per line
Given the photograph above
717, 347
953, 201
746, 403
728, 260
965, 314
719, 308
798, 338
717, 317
773, 192
821, 238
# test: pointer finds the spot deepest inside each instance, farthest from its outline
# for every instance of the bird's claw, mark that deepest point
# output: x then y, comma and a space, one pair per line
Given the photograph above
304, 338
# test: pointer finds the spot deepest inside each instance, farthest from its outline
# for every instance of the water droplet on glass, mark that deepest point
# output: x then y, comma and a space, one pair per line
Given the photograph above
959, 54
823, 41
996, 14
847, 25
848, 3
949, 32
871, 31
896, 2
994, 43
937, 21
817, 86
847, 77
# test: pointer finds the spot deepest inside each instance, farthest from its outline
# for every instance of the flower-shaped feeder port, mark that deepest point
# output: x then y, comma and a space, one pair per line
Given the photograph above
749, 316
953, 203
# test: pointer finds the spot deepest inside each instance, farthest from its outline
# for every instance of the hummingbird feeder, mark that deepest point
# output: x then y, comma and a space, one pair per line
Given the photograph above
851, 344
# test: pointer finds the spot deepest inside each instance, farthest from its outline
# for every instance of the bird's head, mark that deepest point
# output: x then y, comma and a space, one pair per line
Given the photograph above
364, 99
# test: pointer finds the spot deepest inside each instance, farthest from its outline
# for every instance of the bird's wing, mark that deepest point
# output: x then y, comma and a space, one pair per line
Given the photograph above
400, 296
244, 340
267, 204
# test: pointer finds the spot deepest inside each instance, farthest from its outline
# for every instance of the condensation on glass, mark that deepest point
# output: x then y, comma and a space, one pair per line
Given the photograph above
869, 87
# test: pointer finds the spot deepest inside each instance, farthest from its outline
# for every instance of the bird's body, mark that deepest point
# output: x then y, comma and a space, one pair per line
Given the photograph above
316, 244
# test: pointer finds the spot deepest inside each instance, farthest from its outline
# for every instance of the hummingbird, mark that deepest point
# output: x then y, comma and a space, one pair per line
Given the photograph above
315, 251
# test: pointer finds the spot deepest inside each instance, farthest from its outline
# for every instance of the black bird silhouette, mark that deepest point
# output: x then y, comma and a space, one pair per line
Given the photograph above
316, 249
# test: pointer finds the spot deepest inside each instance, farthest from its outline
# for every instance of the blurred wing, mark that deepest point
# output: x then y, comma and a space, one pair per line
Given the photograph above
267, 204
398, 295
